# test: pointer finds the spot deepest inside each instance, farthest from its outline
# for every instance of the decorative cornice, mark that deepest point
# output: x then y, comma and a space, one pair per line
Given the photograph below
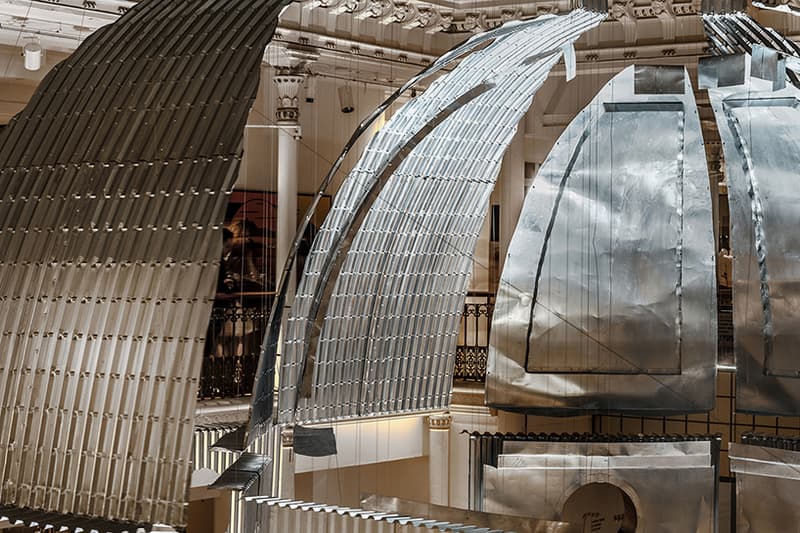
434, 17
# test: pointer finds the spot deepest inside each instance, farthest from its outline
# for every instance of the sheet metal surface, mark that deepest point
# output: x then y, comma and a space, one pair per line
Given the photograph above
263, 401
385, 342
495, 522
767, 484
112, 184
295, 516
607, 298
760, 129
672, 485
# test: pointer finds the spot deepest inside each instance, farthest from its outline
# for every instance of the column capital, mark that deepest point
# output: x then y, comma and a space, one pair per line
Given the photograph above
288, 81
440, 421
287, 437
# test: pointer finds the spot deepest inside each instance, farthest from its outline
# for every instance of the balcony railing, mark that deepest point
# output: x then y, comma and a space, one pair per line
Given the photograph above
233, 346
473, 337
236, 331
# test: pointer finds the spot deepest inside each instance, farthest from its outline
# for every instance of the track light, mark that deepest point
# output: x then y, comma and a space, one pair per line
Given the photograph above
33, 55
346, 99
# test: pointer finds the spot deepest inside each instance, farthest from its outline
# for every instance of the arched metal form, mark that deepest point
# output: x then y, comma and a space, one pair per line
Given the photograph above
262, 404
760, 131
737, 33
789, 7
603, 301
395, 253
112, 192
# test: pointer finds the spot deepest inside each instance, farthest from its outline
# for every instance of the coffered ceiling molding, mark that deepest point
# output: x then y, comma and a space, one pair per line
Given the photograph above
462, 16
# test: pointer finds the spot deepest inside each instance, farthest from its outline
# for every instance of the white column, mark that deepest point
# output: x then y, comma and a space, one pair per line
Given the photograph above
288, 82
287, 464
439, 458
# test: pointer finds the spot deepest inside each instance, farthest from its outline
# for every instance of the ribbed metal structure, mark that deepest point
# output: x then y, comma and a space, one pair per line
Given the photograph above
205, 456
263, 389
373, 329
112, 191
604, 297
737, 33
294, 516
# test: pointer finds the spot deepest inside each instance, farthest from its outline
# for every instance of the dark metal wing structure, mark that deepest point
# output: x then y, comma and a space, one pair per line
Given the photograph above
603, 301
113, 186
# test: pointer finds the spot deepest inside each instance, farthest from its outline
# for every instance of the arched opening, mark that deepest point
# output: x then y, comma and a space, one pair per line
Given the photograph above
601, 508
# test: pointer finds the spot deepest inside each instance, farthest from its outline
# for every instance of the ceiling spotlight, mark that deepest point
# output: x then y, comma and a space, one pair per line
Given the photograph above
33, 55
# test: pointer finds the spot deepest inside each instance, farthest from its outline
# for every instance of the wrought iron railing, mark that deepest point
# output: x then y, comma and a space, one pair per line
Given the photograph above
473, 337
233, 345
236, 331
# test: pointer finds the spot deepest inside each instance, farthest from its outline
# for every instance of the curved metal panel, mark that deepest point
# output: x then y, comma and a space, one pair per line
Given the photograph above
263, 388
607, 298
112, 191
387, 338
760, 130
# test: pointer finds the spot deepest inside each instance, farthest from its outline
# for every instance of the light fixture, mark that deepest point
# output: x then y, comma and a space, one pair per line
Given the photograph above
33, 55
311, 88
346, 99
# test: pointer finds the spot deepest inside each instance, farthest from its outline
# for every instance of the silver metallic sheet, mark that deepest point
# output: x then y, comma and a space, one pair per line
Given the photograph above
737, 33
380, 338
767, 485
112, 192
776, 5
295, 516
262, 402
607, 300
672, 485
760, 130
493, 522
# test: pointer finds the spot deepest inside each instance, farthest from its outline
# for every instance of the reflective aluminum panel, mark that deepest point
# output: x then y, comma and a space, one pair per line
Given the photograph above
767, 484
112, 192
374, 325
607, 300
760, 130
647, 487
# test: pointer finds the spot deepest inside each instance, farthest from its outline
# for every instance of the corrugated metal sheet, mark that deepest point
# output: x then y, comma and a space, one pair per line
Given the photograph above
294, 516
606, 295
374, 326
112, 185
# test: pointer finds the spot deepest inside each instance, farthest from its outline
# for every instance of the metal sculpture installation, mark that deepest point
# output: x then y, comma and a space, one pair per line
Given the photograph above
603, 301
767, 469
112, 192
374, 325
759, 123
607, 483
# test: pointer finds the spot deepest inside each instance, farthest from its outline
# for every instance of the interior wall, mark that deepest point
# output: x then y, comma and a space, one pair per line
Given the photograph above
407, 479
325, 131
